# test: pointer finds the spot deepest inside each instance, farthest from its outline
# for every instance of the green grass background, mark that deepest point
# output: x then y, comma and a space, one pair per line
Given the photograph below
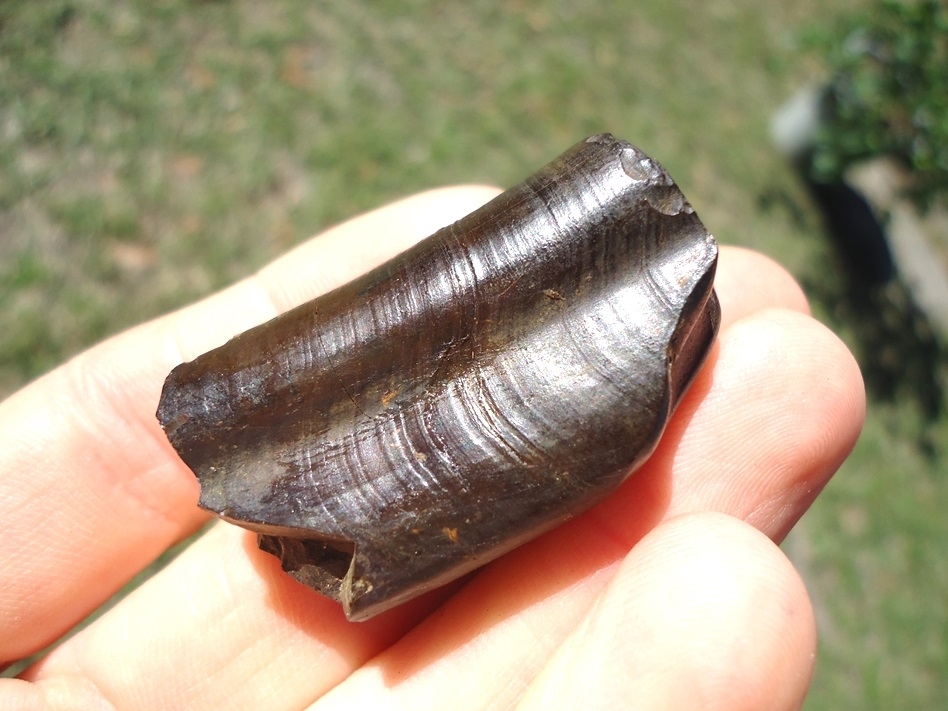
154, 151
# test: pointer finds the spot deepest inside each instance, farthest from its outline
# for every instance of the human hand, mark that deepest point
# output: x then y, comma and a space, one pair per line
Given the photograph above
703, 612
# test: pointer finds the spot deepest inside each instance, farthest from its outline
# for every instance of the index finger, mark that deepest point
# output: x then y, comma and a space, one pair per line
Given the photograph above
90, 489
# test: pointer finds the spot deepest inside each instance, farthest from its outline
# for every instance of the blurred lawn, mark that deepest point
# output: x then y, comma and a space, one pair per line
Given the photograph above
154, 151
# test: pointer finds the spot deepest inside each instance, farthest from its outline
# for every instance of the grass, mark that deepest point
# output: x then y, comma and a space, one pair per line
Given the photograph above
155, 151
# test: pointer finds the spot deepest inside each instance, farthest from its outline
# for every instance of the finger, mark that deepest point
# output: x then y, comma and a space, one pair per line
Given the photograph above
748, 281
758, 436
471, 650
802, 431
704, 613
90, 490
221, 627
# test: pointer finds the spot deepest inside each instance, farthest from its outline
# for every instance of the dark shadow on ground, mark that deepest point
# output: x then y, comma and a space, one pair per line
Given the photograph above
860, 292
892, 339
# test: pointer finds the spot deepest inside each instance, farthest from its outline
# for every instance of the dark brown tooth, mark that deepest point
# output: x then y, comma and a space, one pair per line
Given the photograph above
482, 387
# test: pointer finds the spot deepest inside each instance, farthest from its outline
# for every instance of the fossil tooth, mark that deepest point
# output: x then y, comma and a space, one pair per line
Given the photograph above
480, 388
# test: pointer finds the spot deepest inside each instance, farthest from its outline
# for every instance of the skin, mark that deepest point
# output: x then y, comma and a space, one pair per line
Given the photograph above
670, 594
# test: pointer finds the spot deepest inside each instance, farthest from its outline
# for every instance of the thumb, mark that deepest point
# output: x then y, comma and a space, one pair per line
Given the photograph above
705, 612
